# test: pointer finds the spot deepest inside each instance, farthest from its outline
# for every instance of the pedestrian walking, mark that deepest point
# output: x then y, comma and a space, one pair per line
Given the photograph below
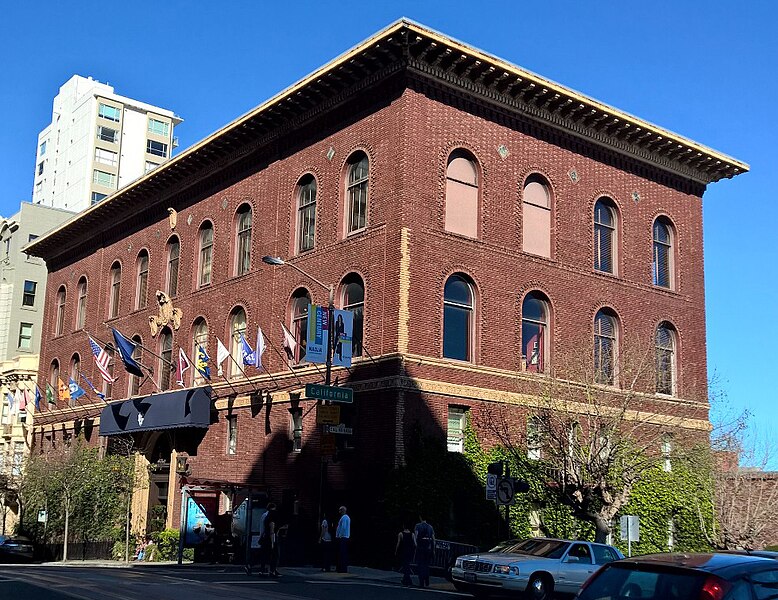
343, 535
268, 542
325, 544
405, 549
425, 548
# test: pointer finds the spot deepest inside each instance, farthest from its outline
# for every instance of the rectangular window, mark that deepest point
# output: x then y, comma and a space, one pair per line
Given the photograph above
25, 336
156, 148
97, 196
28, 299
667, 448
232, 434
106, 157
40, 168
456, 429
158, 127
534, 438
109, 112
105, 179
38, 188
150, 166
296, 425
42, 149
16, 469
106, 134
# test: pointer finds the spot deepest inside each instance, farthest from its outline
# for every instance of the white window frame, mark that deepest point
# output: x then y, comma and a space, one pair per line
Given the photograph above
455, 439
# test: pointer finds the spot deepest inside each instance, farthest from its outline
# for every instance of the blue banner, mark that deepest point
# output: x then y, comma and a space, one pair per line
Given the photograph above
317, 336
343, 331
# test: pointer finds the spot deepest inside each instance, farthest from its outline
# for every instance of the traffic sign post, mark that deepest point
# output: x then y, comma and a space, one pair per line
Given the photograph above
491, 487
329, 393
630, 530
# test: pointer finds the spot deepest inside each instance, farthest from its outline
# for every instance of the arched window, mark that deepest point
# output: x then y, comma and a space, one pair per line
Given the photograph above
299, 323
353, 299
237, 329
458, 309
166, 361
243, 240
173, 256
53, 381
81, 306
141, 298
134, 380
663, 254
107, 385
206, 254
306, 213
356, 192
199, 346
665, 359
116, 284
534, 332
605, 236
462, 194
605, 337
60, 322
536, 229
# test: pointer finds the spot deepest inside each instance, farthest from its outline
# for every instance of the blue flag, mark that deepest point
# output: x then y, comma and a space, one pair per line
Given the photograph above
202, 362
249, 356
91, 385
76, 391
10, 402
37, 399
126, 348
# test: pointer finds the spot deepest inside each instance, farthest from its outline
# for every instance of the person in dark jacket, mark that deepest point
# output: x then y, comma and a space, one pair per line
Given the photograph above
405, 549
425, 548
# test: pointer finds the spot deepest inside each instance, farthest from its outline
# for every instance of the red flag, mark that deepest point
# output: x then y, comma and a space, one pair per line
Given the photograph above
184, 364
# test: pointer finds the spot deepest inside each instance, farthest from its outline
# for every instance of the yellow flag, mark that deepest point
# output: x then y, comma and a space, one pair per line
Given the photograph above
64, 390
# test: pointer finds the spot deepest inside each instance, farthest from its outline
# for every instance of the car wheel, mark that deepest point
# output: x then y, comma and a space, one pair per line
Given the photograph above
540, 587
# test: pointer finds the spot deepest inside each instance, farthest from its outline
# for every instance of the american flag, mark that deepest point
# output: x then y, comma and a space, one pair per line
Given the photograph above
101, 359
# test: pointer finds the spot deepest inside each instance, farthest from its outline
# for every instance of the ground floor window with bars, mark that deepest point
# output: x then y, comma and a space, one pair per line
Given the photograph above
457, 420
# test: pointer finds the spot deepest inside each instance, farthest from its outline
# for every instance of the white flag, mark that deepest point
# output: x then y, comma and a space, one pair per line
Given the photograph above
260, 347
221, 355
290, 344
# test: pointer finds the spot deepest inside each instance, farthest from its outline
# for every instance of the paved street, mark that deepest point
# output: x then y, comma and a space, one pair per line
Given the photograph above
152, 582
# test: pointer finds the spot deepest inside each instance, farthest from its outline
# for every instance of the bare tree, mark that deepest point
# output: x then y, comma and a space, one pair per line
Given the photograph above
597, 427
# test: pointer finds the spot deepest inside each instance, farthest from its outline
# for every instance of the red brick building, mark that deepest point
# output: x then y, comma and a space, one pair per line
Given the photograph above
481, 218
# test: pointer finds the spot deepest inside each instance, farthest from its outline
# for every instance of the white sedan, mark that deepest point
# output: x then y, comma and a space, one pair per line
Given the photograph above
537, 567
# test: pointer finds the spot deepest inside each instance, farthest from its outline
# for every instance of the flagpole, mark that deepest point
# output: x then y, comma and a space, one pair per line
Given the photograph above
284, 360
242, 372
114, 350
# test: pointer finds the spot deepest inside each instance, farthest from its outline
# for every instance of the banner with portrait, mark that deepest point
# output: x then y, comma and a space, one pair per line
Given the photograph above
343, 333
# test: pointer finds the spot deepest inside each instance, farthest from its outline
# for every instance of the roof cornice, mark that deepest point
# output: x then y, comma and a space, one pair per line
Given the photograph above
422, 52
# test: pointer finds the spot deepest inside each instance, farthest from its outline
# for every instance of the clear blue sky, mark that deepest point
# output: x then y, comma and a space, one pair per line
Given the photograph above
707, 70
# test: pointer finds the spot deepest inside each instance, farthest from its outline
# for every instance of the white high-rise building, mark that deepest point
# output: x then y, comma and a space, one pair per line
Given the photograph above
97, 142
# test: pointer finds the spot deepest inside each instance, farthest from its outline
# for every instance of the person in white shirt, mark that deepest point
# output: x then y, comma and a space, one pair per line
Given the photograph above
342, 535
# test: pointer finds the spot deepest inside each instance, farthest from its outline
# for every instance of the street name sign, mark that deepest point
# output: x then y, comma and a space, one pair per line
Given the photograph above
340, 429
329, 392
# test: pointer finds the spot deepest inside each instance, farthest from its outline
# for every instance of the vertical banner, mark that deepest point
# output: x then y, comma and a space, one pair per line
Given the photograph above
318, 334
343, 331
198, 527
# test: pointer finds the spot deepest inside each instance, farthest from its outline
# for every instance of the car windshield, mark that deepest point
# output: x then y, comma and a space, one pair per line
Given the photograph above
620, 581
534, 547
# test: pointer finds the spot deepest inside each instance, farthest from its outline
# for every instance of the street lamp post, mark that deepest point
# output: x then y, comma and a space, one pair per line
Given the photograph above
277, 262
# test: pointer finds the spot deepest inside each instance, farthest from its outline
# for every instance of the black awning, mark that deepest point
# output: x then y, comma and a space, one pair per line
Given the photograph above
168, 410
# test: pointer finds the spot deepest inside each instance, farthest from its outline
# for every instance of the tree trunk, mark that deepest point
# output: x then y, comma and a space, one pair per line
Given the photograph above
601, 530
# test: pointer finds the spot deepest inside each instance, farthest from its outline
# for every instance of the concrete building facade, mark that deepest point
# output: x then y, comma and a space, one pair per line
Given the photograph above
96, 143
479, 220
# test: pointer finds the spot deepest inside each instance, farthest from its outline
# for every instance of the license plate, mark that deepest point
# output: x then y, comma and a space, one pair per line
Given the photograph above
470, 577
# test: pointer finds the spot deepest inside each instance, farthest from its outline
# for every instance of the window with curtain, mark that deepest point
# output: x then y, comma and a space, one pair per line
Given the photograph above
108, 387
60, 322
306, 213
534, 332
665, 359
458, 309
299, 322
663, 254
81, 306
166, 354
116, 283
199, 340
605, 330
206, 254
356, 192
173, 257
462, 194
237, 328
243, 240
354, 300
604, 236
134, 380
536, 217
534, 438
53, 379
141, 299
455, 434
